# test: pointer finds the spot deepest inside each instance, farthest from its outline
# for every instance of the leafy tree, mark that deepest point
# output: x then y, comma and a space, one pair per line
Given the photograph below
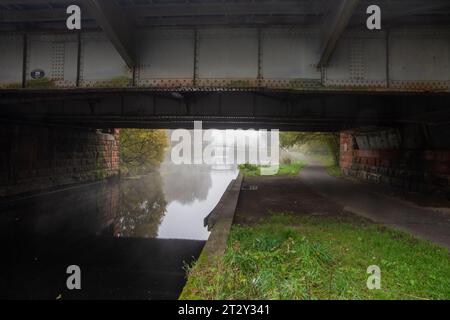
141, 150
330, 140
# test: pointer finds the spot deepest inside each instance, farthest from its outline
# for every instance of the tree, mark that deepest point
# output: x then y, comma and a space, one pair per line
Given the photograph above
141, 150
330, 140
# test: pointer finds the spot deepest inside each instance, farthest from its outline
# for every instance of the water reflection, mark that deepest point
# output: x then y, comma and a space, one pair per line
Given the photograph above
170, 203
186, 183
194, 191
131, 237
142, 207
128, 239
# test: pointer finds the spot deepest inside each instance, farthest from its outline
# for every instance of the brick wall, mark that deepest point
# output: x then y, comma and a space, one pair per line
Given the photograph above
391, 163
34, 159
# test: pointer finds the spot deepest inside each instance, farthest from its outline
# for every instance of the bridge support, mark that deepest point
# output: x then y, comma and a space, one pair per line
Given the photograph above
36, 159
412, 157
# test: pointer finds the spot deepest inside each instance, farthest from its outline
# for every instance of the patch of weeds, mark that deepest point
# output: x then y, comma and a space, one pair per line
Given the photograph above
286, 169
43, 83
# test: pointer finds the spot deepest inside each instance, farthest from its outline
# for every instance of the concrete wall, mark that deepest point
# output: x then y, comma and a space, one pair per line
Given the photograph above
414, 158
34, 159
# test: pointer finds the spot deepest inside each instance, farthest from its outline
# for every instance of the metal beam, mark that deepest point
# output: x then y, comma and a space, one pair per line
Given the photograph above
432, 12
286, 111
224, 8
239, 20
274, 12
334, 25
116, 26
24, 60
33, 2
33, 15
182, 10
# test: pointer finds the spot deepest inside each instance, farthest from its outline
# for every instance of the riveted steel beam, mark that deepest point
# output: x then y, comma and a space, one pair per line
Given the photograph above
116, 26
334, 25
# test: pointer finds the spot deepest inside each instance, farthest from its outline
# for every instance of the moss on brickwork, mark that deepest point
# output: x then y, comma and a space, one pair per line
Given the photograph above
239, 84
11, 86
43, 83
302, 84
118, 82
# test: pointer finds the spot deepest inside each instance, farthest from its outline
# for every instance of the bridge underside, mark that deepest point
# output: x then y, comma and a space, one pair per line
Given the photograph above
292, 65
302, 45
284, 110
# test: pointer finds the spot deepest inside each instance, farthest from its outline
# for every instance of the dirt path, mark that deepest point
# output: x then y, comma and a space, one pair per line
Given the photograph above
262, 195
361, 199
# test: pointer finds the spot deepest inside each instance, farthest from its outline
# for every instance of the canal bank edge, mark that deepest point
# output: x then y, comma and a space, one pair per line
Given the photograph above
223, 216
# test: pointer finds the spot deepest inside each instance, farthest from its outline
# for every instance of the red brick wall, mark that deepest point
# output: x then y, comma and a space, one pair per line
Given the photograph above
346, 150
34, 159
414, 170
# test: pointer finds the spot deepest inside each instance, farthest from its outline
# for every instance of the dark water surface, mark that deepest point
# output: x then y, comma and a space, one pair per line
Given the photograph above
131, 238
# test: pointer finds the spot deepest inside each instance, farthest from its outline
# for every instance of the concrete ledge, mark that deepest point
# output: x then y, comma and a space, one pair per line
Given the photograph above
221, 219
219, 222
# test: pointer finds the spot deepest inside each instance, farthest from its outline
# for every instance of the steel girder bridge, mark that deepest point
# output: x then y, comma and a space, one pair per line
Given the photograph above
294, 65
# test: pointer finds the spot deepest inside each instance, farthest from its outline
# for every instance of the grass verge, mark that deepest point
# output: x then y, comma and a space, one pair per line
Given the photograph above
289, 257
291, 169
331, 167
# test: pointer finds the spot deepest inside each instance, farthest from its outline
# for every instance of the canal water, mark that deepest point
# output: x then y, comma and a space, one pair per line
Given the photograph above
131, 238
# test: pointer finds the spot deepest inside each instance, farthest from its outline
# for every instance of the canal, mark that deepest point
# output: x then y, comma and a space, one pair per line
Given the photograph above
131, 237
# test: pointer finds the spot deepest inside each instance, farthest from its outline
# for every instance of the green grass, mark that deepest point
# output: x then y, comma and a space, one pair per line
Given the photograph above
290, 257
334, 171
331, 167
290, 169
